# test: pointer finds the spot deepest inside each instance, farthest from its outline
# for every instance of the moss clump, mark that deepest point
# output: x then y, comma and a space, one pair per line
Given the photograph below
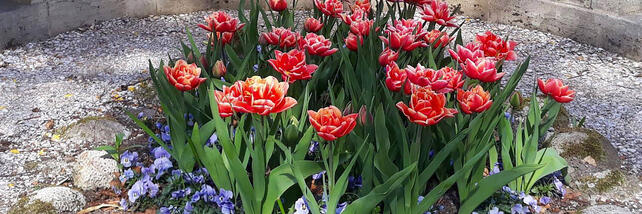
611, 180
30, 165
37, 206
592, 146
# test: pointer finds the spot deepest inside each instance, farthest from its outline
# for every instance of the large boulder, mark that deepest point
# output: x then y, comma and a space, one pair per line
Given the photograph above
94, 170
94, 131
64, 199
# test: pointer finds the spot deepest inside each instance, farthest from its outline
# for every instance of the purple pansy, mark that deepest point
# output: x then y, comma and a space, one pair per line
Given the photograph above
136, 191
162, 165
128, 159
160, 152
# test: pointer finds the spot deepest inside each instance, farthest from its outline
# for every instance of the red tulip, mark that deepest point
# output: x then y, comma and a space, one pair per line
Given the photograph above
405, 34
395, 77
361, 27
254, 95
317, 45
219, 69
426, 107
556, 89
353, 41
282, 37
357, 14
437, 11
183, 76
414, 2
312, 25
483, 69
494, 46
330, 124
292, 65
454, 78
220, 21
278, 5
437, 38
387, 56
363, 5
329, 7
471, 51
423, 77
476, 100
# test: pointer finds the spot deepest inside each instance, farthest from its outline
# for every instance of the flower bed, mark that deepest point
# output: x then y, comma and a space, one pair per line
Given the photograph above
366, 110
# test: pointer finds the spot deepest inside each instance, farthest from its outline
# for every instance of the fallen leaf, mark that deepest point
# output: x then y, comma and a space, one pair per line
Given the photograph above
15, 151
131, 88
41, 152
68, 95
11, 185
55, 137
50, 124
3, 107
590, 160
35, 109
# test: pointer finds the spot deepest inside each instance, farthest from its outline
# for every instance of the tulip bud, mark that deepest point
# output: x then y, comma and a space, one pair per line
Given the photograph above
190, 58
516, 100
219, 69
204, 62
347, 109
363, 115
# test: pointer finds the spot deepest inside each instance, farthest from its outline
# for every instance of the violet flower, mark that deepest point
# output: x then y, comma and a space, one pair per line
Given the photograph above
128, 159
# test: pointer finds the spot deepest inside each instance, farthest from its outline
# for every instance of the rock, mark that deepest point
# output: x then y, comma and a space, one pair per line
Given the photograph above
94, 170
95, 131
64, 199
589, 160
606, 209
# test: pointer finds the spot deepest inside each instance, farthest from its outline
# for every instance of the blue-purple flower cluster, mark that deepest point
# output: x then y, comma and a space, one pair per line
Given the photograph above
186, 192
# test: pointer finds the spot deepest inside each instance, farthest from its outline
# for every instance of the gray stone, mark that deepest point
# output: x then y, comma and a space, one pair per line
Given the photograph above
64, 199
94, 170
565, 139
606, 209
95, 131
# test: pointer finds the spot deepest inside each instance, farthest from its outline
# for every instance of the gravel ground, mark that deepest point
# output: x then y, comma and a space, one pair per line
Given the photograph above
79, 74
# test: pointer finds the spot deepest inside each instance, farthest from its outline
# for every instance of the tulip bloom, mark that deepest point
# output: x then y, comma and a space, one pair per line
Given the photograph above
183, 76
494, 46
361, 27
437, 38
437, 11
278, 5
357, 15
454, 78
282, 37
220, 21
387, 56
556, 89
254, 95
329, 7
476, 100
312, 25
317, 45
363, 5
483, 69
471, 51
292, 65
423, 77
405, 34
330, 124
219, 69
395, 77
426, 107
414, 2
353, 41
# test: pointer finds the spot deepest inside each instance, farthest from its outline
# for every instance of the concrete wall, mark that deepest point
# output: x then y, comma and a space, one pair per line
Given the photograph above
26, 20
615, 25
